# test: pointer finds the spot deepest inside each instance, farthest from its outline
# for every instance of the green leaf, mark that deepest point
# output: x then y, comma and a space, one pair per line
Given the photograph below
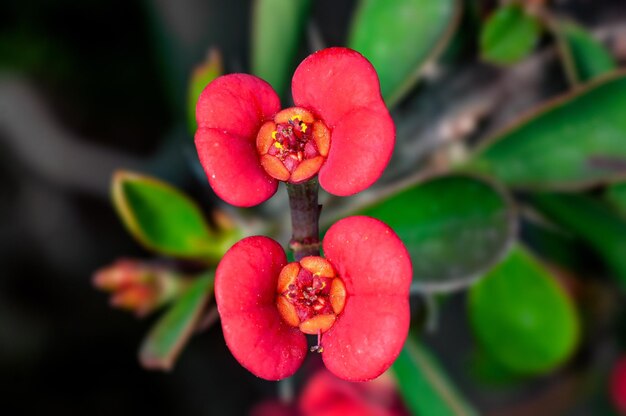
616, 196
400, 36
522, 317
455, 228
576, 141
424, 386
277, 27
509, 35
204, 73
488, 371
594, 221
163, 219
583, 56
557, 246
165, 341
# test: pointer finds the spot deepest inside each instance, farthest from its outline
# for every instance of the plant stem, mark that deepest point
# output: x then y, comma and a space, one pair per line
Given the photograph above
305, 215
285, 390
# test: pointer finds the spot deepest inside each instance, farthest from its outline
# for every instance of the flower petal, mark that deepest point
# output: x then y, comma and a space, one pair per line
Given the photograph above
325, 395
367, 337
237, 104
360, 148
369, 257
232, 166
245, 290
335, 81
273, 407
376, 269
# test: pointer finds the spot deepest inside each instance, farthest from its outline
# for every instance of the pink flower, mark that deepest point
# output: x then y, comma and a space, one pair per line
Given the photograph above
355, 300
340, 128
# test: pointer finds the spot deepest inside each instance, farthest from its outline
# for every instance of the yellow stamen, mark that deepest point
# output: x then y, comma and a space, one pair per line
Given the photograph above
296, 117
278, 145
274, 133
303, 127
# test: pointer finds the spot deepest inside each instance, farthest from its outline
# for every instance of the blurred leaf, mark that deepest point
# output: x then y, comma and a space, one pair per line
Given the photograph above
522, 317
592, 220
424, 386
575, 141
277, 27
616, 195
454, 227
202, 74
162, 218
555, 245
508, 35
584, 57
34, 53
489, 371
400, 36
165, 341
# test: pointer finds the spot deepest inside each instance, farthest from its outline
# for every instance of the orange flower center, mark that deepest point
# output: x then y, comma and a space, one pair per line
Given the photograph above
310, 295
294, 146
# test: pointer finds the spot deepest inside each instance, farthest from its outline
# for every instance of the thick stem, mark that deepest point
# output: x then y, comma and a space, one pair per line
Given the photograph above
305, 215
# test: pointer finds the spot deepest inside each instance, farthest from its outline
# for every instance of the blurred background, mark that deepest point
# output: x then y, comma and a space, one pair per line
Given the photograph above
90, 87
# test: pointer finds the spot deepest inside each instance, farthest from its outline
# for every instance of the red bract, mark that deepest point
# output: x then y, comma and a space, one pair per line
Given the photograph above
325, 395
340, 128
134, 285
355, 300
618, 386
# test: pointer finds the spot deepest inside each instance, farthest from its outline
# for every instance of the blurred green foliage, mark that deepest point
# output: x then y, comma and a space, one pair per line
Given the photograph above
424, 385
573, 142
594, 221
202, 75
522, 317
616, 195
167, 338
453, 217
400, 37
585, 57
509, 35
277, 29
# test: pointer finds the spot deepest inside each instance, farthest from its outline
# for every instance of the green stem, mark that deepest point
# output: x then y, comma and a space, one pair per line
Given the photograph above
305, 214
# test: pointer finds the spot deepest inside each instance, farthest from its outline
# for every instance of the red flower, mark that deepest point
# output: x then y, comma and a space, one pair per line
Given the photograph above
617, 386
340, 128
355, 300
325, 395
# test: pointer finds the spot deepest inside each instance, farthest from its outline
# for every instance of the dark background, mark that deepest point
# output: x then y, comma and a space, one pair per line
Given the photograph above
87, 87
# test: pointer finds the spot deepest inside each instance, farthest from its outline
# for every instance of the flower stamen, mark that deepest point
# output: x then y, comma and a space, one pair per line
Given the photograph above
293, 147
308, 295
318, 348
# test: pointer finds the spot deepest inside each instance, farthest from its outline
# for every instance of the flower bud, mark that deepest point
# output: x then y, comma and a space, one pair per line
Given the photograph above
138, 286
